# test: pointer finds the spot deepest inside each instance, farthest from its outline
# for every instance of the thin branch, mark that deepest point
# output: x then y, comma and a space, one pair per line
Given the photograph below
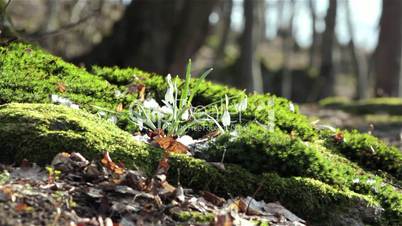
63, 28
7, 4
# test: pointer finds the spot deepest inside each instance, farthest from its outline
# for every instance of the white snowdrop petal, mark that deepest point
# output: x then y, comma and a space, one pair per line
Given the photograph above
185, 116
54, 98
226, 118
74, 106
169, 96
291, 107
151, 104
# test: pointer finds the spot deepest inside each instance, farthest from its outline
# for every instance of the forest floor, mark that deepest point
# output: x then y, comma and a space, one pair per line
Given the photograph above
76, 192
386, 127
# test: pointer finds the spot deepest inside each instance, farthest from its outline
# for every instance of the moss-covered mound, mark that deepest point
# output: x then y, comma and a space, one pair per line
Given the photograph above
39, 131
322, 175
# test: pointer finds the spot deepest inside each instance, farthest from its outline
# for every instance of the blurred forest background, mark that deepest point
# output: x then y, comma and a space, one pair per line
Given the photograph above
304, 50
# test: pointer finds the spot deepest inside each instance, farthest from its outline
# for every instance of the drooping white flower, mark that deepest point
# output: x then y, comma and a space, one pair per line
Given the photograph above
242, 106
151, 104
169, 96
291, 107
166, 109
226, 118
54, 98
117, 93
74, 106
370, 181
113, 119
356, 181
185, 116
102, 113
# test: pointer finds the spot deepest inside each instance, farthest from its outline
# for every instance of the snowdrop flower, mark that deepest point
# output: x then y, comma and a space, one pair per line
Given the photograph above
169, 96
74, 106
166, 110
185, 116
370, 181
242, 106
54, 98
113, 119
356, 181
226, 118
151, 104
291, 107
102, 114
117, 93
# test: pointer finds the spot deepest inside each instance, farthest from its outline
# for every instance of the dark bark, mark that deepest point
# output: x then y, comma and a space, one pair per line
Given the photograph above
313, 46
226, 22
327, 75
388, 52
359, 61
287, 46
155, 35
251, 78
6, 31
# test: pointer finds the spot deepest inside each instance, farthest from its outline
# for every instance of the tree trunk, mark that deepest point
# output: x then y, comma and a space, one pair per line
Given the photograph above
251, 78
226, 22
313, 46
327, 75
388, 51
6, 31
358, 60
287, 46
155, 36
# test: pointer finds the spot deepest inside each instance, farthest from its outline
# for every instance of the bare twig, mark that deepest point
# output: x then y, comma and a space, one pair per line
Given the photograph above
253, 196
7, 4
63, 28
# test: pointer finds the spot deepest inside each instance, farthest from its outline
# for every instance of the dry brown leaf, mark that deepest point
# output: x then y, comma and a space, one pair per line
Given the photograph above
171, 145
61, 87
156, 133
108, 163
141, 92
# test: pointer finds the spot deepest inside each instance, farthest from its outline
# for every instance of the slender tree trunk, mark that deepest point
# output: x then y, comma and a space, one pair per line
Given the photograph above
327, 75
226, 23
388, 51
251, 77
6, 30
358, 60
155, 35
313, 47
287, 45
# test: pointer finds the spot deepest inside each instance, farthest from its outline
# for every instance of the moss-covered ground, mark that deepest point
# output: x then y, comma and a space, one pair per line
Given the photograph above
323, 176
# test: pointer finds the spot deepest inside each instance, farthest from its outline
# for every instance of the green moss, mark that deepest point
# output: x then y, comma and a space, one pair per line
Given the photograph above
30, 75
259, 151
368, 151
39, 131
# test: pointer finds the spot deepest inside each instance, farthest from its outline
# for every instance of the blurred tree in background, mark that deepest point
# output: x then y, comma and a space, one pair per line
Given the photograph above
388, 52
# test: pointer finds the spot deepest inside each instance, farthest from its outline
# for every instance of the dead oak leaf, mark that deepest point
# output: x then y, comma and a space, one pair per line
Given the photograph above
61, 87
171, 145
109, 164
